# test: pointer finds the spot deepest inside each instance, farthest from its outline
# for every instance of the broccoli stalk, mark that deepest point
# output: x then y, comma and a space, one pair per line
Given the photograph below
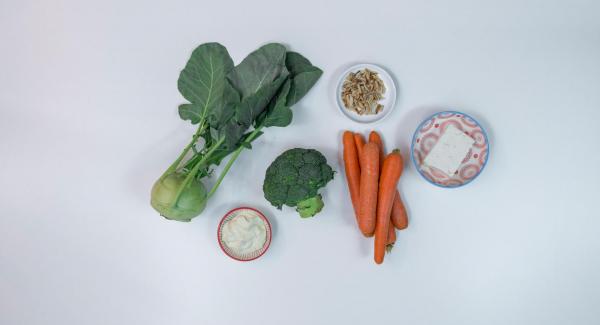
309, 207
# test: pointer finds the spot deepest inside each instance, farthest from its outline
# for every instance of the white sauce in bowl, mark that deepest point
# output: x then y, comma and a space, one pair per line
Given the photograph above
245, 233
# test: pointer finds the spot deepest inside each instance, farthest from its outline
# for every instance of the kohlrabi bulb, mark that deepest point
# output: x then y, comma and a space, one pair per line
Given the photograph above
183, 207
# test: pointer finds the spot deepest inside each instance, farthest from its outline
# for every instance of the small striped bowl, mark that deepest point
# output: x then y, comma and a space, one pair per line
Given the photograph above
232, 253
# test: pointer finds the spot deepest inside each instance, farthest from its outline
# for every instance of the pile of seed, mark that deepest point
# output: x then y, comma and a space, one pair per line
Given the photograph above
362, 91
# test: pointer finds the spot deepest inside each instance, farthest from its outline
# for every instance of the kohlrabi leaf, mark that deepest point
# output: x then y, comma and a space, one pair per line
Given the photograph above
225, 111
296, 63
278, 114
202, 81
249, 109
303, 74
190, 112
258, 69
246, 112
231, 133
301, 84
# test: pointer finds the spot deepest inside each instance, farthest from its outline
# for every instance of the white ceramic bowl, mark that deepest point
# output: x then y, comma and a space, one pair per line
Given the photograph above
388, 102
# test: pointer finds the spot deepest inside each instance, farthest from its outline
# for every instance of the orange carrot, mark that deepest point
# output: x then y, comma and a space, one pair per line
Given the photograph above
369, 180
390, 174
375, 137
360, 143
399, 216
352, 168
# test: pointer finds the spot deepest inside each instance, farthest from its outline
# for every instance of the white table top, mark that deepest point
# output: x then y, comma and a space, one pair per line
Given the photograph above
88, 121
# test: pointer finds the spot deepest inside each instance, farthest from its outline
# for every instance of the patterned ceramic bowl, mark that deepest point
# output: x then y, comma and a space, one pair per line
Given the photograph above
427, 135
232, 253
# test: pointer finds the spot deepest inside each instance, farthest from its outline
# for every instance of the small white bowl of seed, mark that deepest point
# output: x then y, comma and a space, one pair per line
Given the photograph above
366, 93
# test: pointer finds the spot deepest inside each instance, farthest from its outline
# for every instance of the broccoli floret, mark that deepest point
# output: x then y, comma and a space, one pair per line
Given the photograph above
294, 179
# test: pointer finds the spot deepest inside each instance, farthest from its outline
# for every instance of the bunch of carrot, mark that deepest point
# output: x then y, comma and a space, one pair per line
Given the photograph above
372, 179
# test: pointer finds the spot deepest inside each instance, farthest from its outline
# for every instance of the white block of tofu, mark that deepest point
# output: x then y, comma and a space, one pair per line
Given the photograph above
449, 151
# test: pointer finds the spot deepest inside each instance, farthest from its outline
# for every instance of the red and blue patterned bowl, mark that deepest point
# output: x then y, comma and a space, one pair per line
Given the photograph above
427, 135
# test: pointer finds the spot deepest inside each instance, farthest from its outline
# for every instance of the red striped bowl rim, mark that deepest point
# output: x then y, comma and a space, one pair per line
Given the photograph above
231, 253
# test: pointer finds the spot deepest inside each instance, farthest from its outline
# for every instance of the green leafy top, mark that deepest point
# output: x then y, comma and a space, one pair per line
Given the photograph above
258, 70
232, 104
202, 81
304, 76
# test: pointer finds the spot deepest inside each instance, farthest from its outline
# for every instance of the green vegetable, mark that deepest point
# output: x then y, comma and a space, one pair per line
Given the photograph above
294, 179
310, 207
231, 106
178, 206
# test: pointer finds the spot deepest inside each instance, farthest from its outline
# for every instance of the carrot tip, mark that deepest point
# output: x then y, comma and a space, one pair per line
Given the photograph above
388, 248
401, 227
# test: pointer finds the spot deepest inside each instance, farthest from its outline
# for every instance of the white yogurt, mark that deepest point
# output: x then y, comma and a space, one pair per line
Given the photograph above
245, 233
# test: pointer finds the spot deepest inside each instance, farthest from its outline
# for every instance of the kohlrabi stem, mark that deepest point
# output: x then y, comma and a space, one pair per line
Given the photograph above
235, 155
194, 171
187, 148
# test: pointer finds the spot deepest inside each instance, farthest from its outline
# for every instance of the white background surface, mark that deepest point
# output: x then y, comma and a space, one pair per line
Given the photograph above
88, 121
